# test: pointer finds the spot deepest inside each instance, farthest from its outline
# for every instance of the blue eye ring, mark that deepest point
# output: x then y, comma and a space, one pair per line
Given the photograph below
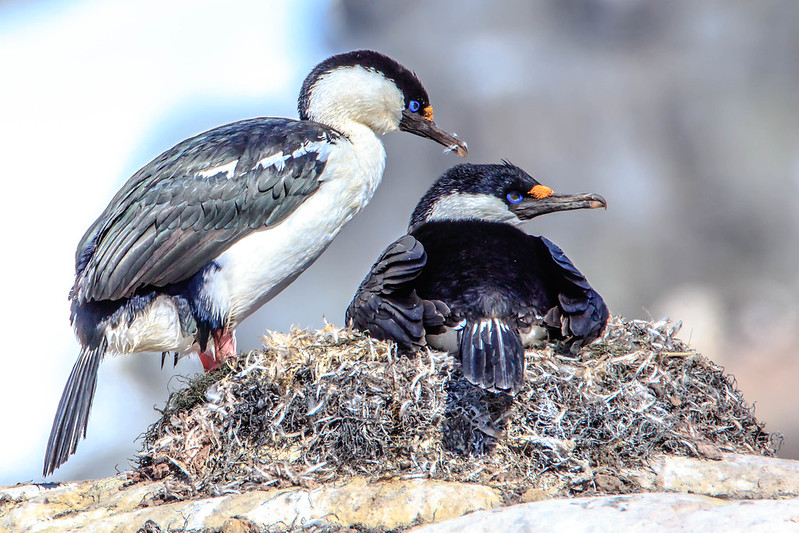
514, 197
413, 106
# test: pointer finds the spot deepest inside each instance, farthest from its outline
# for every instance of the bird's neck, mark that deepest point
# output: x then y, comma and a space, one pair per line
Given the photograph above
350, 127
369, 160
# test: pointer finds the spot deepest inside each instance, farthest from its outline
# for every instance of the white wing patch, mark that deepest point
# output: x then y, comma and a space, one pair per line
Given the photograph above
320, 147
278, 160
228, 169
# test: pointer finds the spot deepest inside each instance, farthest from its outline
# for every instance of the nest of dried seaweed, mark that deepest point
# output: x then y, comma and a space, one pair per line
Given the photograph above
312, 408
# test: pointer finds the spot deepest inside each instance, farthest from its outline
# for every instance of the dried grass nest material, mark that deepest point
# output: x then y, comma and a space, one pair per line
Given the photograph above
316, 407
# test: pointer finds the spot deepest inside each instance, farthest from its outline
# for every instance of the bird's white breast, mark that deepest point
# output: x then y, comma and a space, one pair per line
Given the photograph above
259, 266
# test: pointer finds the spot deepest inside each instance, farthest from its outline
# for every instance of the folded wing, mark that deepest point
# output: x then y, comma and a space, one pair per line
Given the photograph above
580, 315
387, 306
194, 201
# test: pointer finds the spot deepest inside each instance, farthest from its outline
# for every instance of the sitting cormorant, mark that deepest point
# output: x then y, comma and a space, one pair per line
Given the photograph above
466, 280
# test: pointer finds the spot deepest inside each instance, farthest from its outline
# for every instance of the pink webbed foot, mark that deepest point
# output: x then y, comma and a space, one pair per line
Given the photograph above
224, 347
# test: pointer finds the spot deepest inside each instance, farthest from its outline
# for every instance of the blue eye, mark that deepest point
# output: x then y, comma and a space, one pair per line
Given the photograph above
514, 197
413, 106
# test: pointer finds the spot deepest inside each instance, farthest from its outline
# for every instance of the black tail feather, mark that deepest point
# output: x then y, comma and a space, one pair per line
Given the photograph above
492, 355
72, 416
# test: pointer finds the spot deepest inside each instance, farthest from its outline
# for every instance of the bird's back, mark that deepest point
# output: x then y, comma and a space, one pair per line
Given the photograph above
486, 268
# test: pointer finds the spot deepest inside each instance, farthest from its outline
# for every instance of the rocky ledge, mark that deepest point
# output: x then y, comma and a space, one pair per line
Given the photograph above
733, 493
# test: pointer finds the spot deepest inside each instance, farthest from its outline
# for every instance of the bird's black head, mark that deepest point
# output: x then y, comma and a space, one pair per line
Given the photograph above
405, 80
494, 192
371, 88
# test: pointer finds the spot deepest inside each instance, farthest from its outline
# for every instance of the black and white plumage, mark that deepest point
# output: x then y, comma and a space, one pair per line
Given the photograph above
467, 280
213, 228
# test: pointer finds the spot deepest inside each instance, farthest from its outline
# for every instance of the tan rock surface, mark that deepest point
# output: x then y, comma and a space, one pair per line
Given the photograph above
107, 506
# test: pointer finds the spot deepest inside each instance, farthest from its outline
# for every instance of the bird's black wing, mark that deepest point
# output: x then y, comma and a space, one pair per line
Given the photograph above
191, 203
580, 315
386, 304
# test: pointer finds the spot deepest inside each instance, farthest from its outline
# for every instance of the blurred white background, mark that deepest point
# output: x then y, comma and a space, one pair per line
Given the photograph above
684, 115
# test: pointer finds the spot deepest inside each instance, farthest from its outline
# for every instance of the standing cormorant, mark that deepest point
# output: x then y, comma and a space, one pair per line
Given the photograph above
216, 226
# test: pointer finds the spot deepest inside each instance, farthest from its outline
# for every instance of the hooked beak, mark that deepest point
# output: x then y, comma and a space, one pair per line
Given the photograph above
418, 125
533, 207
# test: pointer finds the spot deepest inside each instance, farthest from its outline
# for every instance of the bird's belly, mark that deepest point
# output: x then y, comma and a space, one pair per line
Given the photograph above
261, 265
156, 328
449, 340
446, 342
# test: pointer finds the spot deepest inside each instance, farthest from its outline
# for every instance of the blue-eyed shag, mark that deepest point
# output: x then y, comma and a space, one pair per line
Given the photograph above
467, 280
206, 233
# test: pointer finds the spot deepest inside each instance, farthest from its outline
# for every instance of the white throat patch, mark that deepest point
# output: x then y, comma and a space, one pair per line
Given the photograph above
356, 94
466, 206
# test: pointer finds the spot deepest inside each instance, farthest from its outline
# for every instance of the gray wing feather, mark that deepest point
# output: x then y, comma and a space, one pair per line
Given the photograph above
176, 215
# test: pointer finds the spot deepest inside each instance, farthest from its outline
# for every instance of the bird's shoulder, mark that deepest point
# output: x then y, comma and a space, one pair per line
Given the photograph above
397, 266
581, 314
561, 262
